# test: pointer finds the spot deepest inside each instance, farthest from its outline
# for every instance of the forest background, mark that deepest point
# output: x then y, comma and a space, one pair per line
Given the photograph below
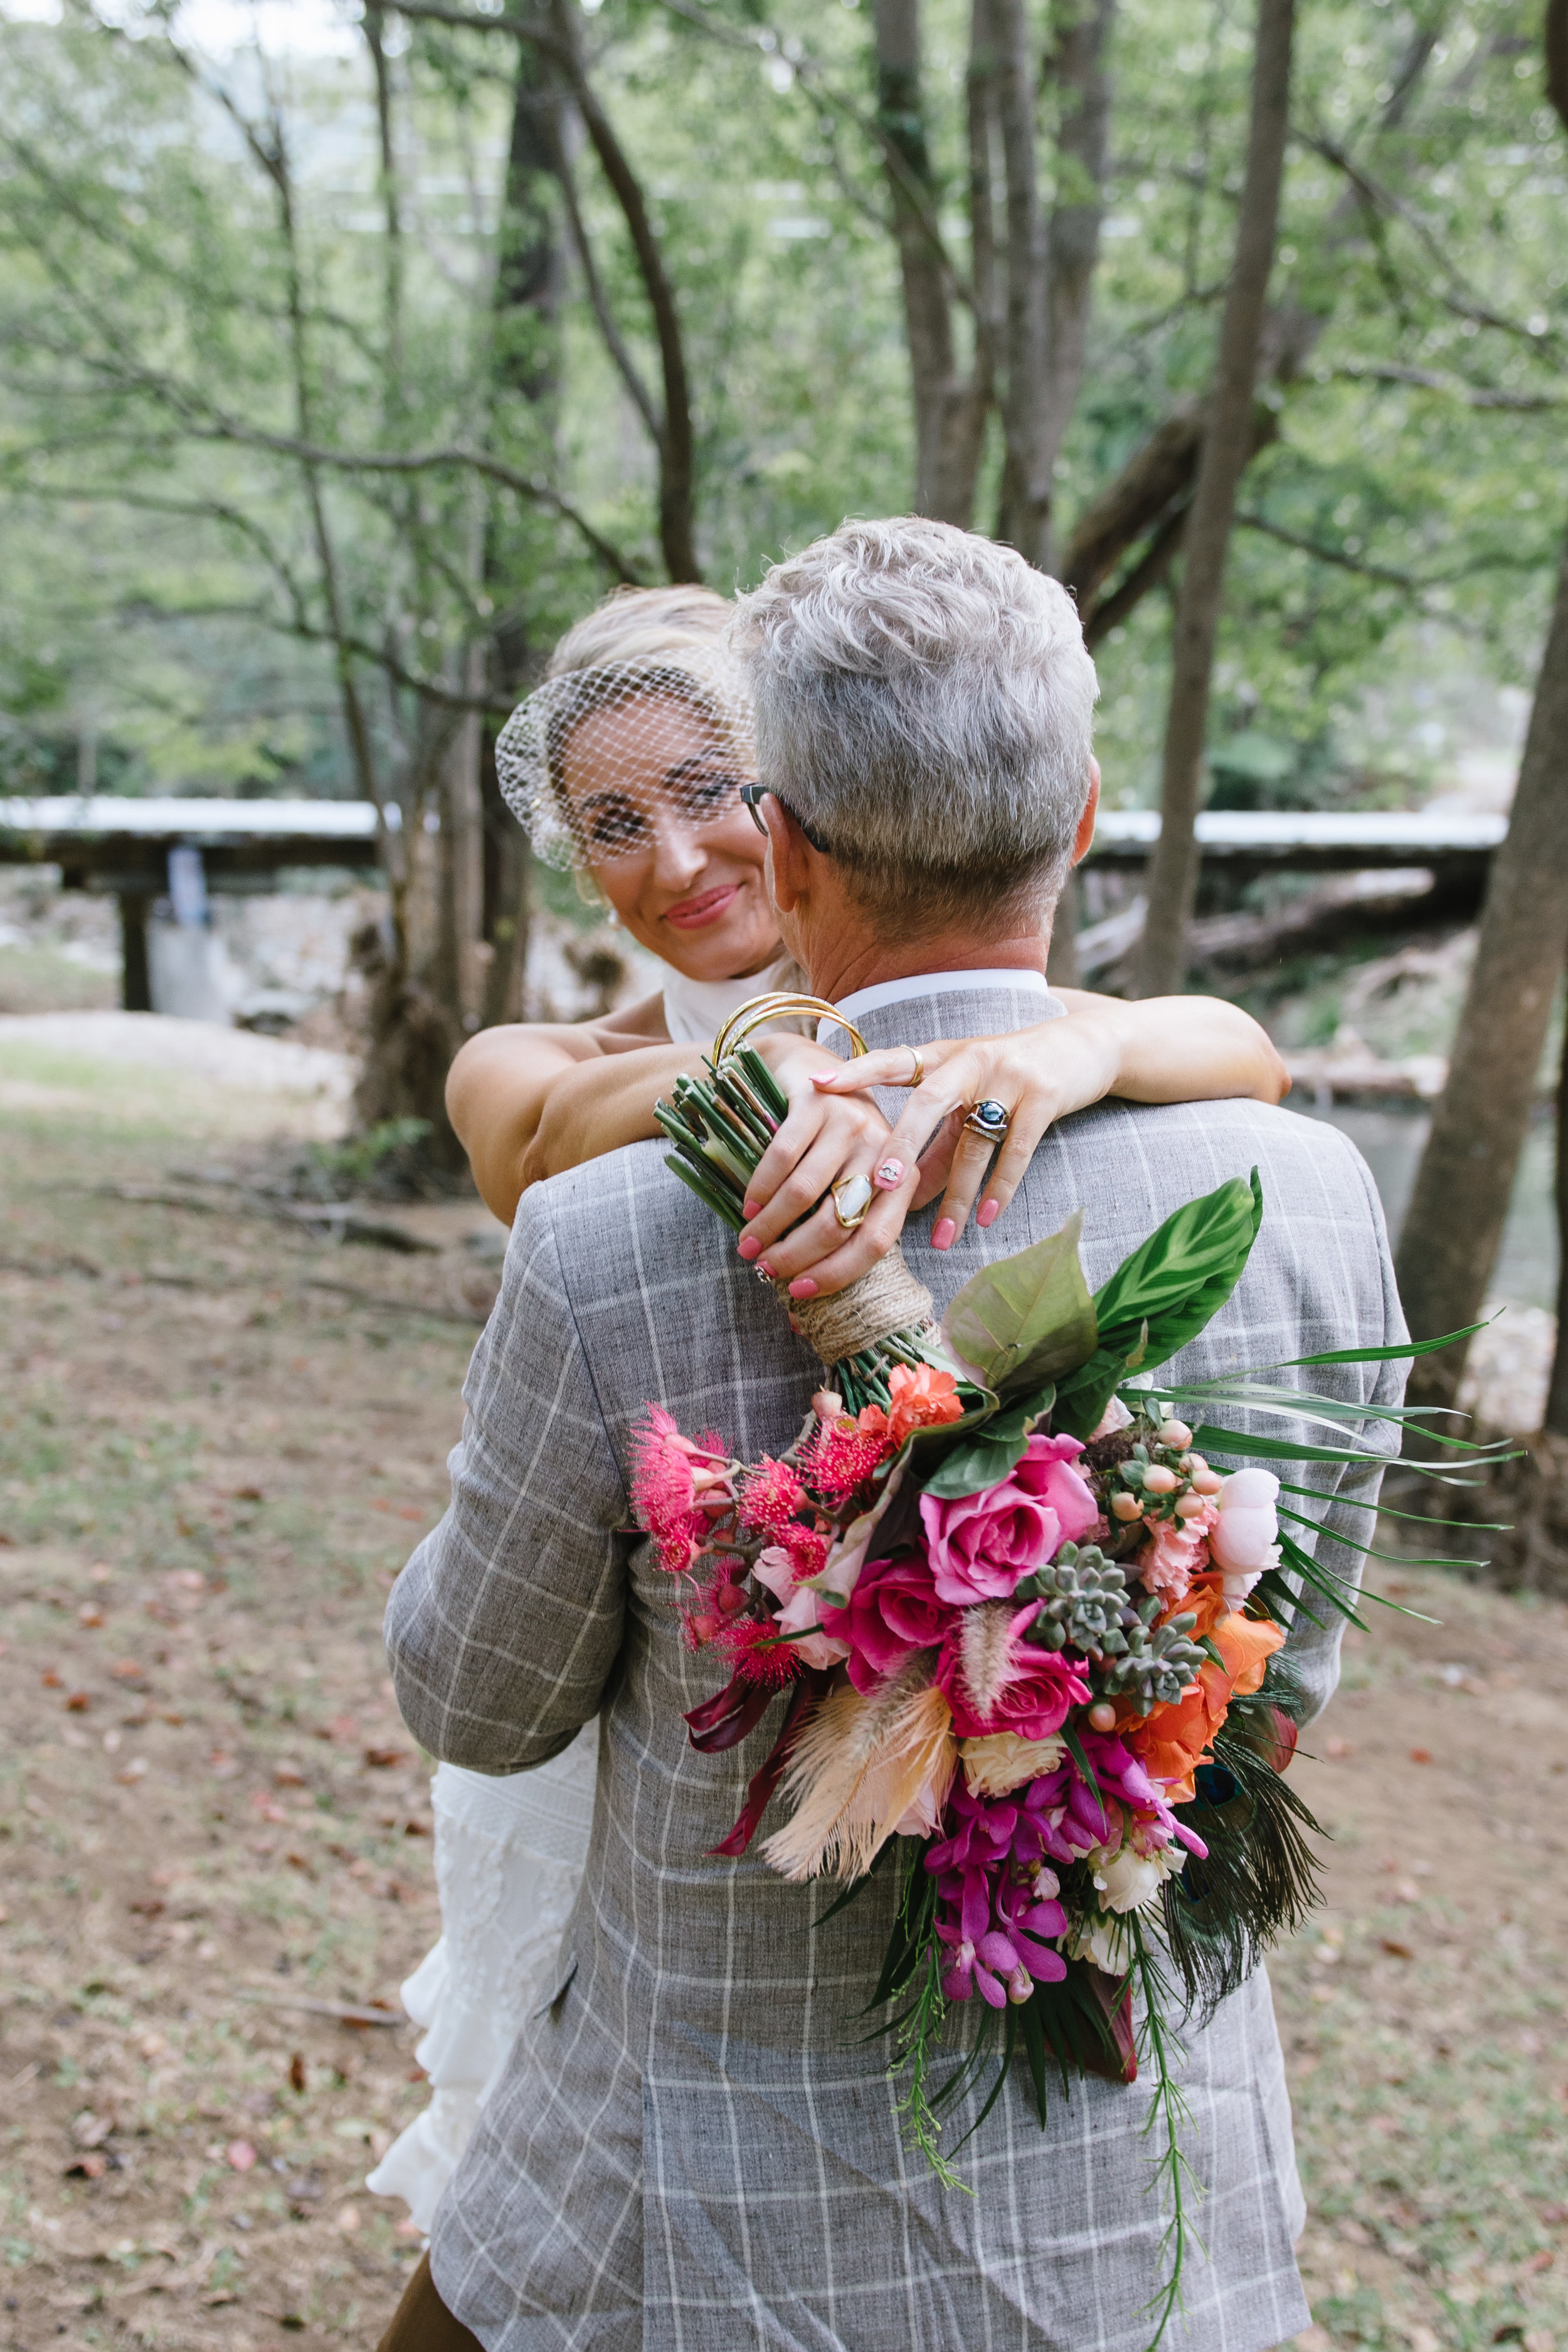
349, 355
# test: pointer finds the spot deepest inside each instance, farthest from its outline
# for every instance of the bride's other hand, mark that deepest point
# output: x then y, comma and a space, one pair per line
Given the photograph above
1160, 1050
823, 1139
1037, 1075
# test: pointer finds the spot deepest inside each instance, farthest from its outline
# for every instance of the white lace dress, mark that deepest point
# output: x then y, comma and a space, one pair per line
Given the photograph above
510, 1854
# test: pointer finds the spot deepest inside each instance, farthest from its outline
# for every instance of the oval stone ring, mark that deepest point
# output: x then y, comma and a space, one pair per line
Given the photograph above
990, 1120
852, 1196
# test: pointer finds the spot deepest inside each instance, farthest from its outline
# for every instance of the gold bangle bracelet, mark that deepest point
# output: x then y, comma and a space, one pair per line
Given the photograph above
779, 1004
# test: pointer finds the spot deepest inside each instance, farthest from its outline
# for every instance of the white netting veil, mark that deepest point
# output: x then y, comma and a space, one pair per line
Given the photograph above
643, 713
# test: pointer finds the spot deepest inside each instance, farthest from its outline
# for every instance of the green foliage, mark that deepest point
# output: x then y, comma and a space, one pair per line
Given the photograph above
1163, 1295
173, 342
1026, 1320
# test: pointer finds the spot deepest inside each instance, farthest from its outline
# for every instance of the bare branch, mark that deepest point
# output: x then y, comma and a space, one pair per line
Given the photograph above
1473, 395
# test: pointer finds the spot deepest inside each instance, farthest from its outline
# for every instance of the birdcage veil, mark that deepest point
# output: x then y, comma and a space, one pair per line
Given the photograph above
641, 649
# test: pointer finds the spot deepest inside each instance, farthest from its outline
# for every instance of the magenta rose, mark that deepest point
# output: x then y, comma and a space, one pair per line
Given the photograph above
893, 1612
982, 1544
1030, 1690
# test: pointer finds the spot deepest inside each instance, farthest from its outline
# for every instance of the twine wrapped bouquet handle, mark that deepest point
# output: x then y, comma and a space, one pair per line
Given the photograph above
886, 1299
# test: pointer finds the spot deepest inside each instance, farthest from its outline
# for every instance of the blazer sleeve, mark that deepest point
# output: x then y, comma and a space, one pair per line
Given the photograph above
504, 1627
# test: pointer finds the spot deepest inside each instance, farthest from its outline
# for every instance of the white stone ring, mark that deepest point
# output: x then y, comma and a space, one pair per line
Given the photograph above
852, 1196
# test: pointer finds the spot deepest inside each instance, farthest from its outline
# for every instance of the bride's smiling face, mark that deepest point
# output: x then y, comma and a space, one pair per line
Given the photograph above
655, 802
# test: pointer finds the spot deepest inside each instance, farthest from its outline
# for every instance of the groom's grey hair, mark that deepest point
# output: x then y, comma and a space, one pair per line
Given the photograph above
925, 703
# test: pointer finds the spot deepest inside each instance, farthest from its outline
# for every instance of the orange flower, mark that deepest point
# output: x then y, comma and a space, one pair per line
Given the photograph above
1171, 1742
922, 1398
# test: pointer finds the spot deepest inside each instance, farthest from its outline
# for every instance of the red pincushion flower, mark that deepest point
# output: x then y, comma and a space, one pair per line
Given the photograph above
668, 1474
771, 1497
841, 1456
757, 1653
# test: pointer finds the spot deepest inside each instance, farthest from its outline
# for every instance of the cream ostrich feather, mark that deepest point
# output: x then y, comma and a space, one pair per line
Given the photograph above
858, 1765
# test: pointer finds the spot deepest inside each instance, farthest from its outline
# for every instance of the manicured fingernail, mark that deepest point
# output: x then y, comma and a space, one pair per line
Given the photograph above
943, 1233
763, 1268
749, 1209
822, 1077
987, 1212
889, 1176
749, 1247
803, 1287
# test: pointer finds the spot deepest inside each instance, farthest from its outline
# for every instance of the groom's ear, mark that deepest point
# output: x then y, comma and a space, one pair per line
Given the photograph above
1085, 835
790, 857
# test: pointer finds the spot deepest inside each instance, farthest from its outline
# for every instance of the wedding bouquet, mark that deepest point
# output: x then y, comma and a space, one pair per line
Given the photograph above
1030, 1637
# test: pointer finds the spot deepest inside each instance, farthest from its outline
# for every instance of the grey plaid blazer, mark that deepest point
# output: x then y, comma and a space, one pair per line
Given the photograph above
693, 2149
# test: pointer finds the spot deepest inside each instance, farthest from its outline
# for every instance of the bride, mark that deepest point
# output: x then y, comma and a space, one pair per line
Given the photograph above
628, 764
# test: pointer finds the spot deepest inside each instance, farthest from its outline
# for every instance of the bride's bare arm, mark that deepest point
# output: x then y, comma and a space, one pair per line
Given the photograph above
532, 1100
502, 1095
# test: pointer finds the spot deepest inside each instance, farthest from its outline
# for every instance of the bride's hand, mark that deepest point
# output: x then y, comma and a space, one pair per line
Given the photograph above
823, 1139
1037, 1075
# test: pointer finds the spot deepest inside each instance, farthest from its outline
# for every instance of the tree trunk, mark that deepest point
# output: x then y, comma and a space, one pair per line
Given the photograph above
1227, 445
1155, 485
528, 287
677, 453
949, 406
1557, 1389
1555, 1417
1077, 69
1457, 1211
1024, 520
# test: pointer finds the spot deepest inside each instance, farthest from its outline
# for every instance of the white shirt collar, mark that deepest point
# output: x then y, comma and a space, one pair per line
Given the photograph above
942, 984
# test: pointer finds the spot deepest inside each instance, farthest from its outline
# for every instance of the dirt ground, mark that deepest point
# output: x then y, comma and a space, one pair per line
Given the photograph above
215, 1830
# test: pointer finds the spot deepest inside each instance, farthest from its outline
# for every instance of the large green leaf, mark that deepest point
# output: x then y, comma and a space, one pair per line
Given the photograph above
1026, 1320
1163, 1295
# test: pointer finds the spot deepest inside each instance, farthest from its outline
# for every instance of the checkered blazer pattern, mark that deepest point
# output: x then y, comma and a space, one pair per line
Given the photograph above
693, 2148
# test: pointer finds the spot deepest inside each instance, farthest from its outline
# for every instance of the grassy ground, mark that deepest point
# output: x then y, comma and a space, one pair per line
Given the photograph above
210, 1817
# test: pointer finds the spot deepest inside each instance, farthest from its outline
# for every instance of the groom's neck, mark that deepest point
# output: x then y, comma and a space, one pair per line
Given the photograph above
840, 965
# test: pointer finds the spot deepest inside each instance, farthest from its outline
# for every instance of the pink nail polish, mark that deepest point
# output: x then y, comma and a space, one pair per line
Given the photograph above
943, 1233
749, 1247
889, 1176
763, 1268
749, 1209
803, 1287
987, 1212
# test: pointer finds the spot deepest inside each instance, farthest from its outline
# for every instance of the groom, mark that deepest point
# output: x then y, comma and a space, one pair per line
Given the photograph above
694, 2147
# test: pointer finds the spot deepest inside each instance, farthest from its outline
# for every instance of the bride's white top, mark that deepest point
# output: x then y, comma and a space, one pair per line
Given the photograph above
509, 1855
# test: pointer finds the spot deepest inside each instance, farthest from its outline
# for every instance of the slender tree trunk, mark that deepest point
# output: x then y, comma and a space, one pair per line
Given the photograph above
675, 440
1457, 1211
1024, 520
1227, 445
1077, 67
949, 404
526, 362
1555, 1417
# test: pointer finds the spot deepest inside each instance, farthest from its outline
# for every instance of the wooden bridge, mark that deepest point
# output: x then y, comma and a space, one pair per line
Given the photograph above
123, 847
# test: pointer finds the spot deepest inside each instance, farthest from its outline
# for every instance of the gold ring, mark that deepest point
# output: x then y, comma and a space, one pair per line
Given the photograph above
852, 1196
916, 1076
779, 1004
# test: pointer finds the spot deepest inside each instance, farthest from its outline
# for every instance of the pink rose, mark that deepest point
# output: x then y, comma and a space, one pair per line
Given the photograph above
982, 1544
893, 1612
1031, 1694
